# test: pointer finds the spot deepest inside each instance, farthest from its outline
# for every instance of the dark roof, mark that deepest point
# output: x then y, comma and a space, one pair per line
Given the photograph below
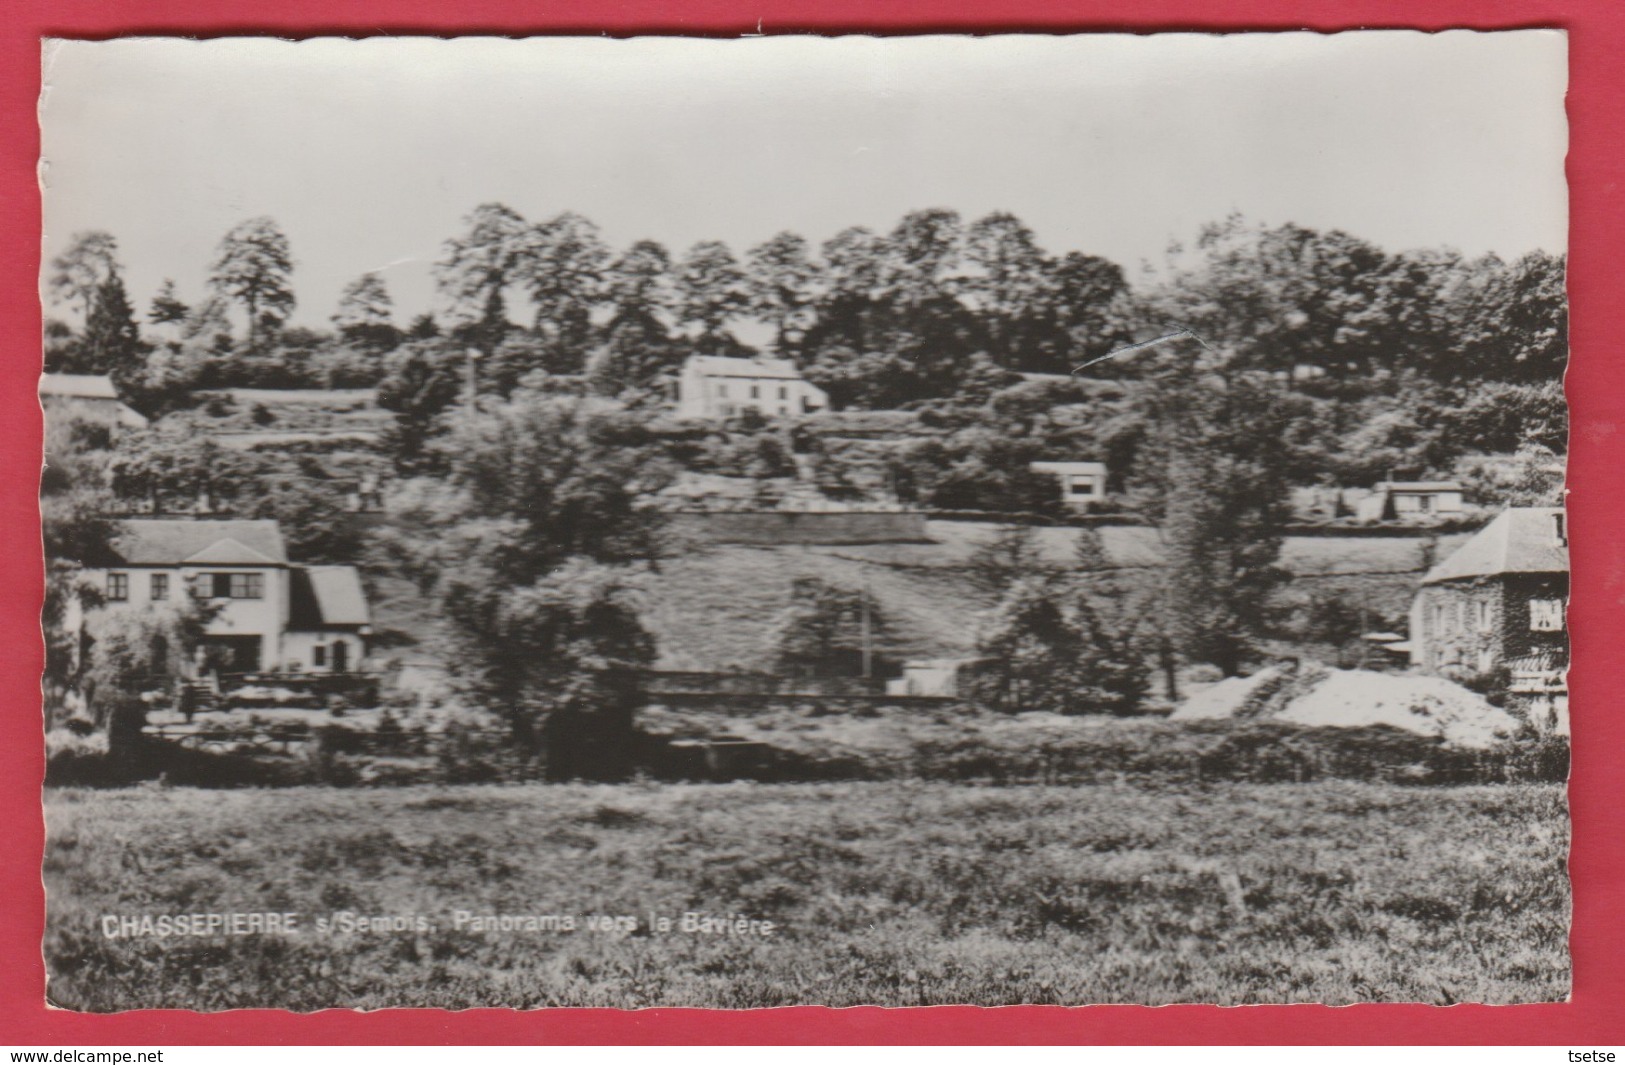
326, 596
173, 542
1519, 540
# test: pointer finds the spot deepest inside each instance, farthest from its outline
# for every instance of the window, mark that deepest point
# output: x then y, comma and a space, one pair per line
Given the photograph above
755, 391
784, 391
1438, 619
118, 587
318, 655
160, 586
722, 390
231, 585
1486, 616
1546, 615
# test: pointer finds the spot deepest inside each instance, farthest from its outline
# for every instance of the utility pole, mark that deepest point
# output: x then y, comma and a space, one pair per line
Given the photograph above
868, 649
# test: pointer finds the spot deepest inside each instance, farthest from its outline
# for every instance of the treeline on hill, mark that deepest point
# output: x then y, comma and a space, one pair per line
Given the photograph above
935, 310
1386, 362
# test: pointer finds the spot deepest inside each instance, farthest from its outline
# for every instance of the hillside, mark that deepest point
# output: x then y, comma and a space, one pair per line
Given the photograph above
713, 608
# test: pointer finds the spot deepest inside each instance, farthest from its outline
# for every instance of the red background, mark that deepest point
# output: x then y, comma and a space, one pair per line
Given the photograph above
1596, 390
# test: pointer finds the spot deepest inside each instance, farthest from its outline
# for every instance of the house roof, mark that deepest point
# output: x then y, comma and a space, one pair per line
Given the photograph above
174, 542
1068, 467
1519, 540
725, 366
78, 386
324, 596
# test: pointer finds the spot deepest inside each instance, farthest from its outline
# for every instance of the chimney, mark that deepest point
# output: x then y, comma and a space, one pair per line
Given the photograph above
1560, 532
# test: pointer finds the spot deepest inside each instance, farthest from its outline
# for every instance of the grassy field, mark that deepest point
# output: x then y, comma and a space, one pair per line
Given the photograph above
895, 893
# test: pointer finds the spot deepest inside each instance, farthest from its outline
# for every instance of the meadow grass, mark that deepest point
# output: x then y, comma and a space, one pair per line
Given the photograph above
896, 893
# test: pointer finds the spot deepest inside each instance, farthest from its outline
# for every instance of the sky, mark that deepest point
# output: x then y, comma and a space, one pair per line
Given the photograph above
369, 154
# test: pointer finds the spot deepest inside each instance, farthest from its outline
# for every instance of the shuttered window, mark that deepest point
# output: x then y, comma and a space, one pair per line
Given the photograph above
1546, 615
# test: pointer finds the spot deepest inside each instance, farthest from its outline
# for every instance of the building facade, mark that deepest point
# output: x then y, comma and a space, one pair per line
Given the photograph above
1497, 605
267, 615
1082, 483
716, 387
1412, 502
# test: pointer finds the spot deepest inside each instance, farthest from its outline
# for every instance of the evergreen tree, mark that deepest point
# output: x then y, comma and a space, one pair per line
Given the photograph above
112, 338
166, 306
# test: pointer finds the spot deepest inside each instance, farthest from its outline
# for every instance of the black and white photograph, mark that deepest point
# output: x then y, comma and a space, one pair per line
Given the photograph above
793, 520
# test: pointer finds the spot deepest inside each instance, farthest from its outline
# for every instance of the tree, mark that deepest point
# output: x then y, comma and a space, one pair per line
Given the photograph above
134, 656
209, 324
920, 257
112, 338
89, 260
781, 285
253, 266
562, 267
1045, 650
479, 265
365, 314
828, 631
640, 280
711, 289
307, 505
635, 352
77, 535
420, 382
423, 327
1509, 322
532, 542
1277, 298
1212, 481
852, 263
1010, 285
1084, 297
167, 307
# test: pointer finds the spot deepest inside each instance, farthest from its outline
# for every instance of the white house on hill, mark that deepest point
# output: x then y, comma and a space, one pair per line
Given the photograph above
1081, 483
1414, 502
87, 397
271, 615
716, 387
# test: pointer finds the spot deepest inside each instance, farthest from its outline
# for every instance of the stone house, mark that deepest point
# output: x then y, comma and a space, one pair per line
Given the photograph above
1498, 604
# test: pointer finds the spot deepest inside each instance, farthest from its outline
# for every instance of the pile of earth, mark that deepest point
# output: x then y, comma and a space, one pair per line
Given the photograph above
1316, 695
